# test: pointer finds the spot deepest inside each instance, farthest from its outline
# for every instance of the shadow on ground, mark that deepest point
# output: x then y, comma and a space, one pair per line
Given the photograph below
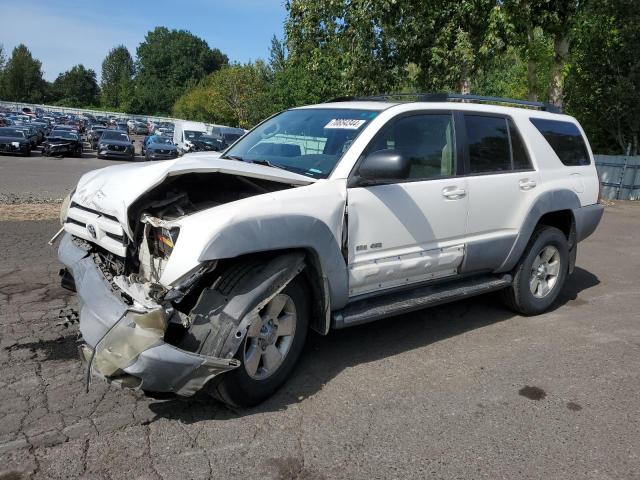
325, 357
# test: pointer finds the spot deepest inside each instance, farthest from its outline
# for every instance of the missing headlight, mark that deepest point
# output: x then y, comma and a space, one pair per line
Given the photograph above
162, 240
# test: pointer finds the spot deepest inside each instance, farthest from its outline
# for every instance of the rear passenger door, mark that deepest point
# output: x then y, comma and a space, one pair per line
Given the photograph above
502, 187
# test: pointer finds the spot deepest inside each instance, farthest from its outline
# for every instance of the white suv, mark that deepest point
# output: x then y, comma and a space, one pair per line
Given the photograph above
207, 271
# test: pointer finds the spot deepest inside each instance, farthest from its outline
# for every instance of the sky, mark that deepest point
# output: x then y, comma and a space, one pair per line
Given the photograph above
63, 33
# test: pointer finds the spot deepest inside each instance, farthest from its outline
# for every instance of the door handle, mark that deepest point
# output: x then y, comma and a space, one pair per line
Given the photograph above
527, 184
454, 193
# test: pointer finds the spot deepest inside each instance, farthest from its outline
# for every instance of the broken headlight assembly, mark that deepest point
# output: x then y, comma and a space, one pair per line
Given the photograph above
161, 241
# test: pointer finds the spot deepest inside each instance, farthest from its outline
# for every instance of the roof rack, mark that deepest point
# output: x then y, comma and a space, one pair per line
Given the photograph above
450, 97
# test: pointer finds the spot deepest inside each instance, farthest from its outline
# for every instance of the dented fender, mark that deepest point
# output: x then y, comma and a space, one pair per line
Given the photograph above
220, 322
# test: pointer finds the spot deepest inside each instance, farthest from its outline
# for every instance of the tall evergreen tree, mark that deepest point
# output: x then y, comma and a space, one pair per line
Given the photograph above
22, 77
117, 78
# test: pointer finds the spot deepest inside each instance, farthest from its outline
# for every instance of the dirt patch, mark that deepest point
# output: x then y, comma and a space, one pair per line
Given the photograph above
574, 407
29, 211
62, 348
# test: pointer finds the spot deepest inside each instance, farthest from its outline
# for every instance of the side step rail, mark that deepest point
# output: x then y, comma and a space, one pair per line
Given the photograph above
375, 308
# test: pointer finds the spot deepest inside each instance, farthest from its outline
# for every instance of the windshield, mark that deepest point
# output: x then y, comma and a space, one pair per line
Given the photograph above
64, 134
161, 140
192, 135
114, 135
11, 132
309, 141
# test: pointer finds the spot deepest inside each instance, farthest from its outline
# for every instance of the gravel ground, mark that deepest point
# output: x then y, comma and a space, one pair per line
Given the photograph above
467, 390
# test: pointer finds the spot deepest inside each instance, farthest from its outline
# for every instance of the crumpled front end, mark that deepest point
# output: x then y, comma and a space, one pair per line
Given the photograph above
125, 341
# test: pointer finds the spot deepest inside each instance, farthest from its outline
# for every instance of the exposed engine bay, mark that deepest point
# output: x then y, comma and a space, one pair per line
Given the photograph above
151, 215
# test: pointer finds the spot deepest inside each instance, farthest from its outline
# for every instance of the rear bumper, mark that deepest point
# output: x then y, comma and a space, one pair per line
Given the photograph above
122, 349
587, 220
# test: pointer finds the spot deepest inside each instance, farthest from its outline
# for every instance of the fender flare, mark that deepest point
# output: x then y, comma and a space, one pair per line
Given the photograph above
547, 202
286, 233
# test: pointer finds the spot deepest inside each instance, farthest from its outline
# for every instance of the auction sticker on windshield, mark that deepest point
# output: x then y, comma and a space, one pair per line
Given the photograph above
345, 123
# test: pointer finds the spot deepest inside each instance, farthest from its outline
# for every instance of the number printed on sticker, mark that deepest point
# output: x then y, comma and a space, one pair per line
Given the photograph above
345, 123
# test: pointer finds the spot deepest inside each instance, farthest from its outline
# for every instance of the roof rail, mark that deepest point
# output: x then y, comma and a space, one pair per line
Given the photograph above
451, 97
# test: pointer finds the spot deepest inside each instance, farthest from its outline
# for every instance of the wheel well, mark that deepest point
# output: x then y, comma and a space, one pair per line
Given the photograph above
562, 220
312, 275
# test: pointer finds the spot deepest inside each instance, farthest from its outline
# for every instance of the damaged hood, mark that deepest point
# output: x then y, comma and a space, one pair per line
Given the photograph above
113, 189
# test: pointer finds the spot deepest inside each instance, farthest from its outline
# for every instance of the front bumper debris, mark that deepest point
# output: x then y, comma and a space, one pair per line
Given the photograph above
125, 344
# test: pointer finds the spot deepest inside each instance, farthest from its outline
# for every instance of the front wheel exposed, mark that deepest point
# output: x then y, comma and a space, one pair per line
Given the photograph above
541, 272
272, 346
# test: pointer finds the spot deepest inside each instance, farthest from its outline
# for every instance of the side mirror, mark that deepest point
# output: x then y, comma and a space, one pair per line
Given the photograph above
383, 166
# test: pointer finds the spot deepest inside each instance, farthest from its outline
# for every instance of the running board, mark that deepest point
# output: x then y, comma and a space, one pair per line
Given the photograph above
375, 308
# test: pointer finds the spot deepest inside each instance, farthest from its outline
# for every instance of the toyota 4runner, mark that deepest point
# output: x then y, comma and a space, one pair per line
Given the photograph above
208, 270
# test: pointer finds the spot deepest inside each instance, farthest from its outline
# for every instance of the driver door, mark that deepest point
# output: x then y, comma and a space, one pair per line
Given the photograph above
411, 231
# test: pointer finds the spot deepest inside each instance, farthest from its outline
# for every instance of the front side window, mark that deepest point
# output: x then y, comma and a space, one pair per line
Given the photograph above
565, 139
308, 141
427, 140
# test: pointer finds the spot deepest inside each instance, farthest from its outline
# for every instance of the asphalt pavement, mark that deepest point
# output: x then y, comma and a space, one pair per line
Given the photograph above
467, 390
38, 179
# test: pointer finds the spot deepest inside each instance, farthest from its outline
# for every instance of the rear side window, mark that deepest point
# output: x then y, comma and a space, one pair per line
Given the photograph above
488, 140
565, 139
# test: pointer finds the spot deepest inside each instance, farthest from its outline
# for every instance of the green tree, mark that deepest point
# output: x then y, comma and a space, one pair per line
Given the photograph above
450, 42
236, 95
117, 79
22, 77
3, 58
603, 81
542, 29
77, 87
169, 62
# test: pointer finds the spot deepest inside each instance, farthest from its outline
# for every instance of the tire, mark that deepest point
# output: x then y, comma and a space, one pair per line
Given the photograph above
528, 295
239, 388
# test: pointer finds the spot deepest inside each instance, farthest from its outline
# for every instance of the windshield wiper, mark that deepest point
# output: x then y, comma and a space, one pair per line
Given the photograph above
233, 157
267, 163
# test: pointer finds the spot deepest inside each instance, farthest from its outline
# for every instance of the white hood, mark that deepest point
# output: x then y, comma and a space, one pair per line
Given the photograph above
113, 189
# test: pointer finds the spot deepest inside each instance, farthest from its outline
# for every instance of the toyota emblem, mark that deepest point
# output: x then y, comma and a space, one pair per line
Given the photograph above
92, 230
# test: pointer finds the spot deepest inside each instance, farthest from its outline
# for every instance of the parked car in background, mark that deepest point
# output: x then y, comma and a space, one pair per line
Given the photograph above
30, 132
228, 135
140, 129
115, 144
93, 134
14, 141
159, 148
185, 132
63, 143
207, 143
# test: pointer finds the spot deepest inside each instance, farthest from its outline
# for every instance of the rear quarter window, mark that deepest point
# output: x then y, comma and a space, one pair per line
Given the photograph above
565, 139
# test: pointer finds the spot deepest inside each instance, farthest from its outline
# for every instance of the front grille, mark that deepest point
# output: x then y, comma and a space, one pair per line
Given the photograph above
116, 148
119, 238
76, 222
110, 217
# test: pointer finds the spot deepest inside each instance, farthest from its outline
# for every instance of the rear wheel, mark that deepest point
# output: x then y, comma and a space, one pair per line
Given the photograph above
540, 274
